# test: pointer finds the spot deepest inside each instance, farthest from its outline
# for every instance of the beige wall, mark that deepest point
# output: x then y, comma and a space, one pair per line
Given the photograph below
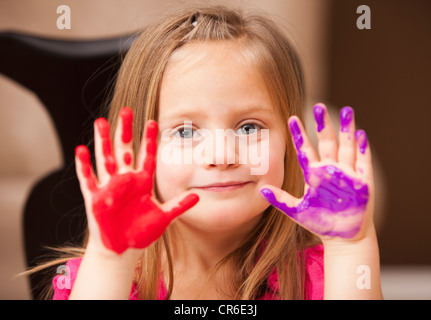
29, 147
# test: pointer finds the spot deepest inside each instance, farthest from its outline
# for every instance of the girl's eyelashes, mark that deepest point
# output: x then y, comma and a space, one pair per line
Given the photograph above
190, 132
249, 128
186, 133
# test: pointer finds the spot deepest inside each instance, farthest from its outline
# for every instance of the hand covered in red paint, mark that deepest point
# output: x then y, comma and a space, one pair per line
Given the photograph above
121, 211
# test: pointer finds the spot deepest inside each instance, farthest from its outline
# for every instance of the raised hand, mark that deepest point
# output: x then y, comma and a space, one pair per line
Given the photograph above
120, 209
339, 186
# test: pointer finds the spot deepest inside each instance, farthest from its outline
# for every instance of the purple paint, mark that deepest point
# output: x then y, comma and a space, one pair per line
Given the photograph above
319, 113
346, 116
334, 206
296, 134
335, 203
361, 139
298, 141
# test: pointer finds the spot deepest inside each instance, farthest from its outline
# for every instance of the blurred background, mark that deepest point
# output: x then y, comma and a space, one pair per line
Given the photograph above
384, 73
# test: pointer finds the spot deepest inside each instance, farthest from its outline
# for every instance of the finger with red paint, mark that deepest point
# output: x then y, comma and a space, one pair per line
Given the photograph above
106, 165
148, 149
123, 141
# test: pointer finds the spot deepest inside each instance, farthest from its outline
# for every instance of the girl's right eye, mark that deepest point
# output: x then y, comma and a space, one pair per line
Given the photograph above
185, 133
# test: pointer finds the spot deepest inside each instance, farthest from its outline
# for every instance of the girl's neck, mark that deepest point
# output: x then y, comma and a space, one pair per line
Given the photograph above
195, 254
200, 250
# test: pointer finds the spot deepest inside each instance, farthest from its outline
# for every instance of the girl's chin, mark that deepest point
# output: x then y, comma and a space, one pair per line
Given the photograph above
219, 217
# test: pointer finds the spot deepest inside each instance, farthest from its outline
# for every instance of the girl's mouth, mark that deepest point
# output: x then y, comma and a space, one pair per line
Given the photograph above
226, 186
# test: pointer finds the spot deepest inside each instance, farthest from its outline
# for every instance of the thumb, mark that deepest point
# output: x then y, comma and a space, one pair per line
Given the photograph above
178, 205
280, 199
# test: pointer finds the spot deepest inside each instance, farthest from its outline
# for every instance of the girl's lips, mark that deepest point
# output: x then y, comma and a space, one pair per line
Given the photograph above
220, 187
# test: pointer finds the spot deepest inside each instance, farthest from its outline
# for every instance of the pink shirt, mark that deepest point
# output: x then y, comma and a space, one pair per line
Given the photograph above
313, 281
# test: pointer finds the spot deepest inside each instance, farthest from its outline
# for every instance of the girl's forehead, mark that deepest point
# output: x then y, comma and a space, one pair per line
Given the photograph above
197, 54
211, 74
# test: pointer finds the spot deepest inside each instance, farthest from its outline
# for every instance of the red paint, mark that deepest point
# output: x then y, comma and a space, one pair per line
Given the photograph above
83, 156
151, 146
103, 128
127, 158
126, 115
123, 208
127, 216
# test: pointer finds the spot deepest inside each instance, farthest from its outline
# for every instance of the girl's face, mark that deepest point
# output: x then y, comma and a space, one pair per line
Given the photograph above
208, 91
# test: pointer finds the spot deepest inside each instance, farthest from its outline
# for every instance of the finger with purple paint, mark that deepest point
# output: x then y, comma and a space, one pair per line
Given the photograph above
304, 149
347, 149
363, 164
327, 139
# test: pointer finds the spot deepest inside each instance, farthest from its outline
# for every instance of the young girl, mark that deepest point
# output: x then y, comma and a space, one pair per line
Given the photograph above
213, 229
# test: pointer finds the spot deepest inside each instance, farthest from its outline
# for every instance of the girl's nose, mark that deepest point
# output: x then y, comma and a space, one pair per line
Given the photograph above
224, 149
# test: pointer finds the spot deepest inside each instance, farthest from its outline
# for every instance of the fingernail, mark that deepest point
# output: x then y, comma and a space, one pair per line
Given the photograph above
103, 127
127, 157
84, 156
268, 195
152, 129
126, 115
319, 112
361, 139
346, 116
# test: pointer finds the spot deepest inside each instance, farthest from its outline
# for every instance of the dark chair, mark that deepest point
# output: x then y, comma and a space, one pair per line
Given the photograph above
72, 80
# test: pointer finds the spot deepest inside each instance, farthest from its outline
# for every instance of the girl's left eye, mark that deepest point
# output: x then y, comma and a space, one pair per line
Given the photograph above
249, 128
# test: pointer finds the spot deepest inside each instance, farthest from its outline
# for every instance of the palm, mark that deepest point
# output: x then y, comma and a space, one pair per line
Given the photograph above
334, 207
127, 216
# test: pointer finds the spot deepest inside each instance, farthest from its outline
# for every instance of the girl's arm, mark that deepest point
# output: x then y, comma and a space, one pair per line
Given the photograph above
338, 204
103, 276
123, 217
352, 271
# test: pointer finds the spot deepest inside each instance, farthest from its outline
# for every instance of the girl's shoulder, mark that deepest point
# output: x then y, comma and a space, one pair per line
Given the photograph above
63, 282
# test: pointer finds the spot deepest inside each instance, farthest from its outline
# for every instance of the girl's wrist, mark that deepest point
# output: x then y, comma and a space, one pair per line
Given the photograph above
340, 246
129, 258
352, 268
104, 275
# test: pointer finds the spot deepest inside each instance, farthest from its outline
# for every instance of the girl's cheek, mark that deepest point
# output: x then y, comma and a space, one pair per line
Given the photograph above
172, 174
165, 175
277, 149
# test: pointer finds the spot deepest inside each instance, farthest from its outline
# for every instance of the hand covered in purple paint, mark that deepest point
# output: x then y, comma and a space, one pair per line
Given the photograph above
338, 197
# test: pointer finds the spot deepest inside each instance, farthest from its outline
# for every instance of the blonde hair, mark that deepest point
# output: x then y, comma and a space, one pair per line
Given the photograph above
276, 242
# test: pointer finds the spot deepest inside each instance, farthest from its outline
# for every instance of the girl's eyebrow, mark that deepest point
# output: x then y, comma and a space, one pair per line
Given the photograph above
200, 112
